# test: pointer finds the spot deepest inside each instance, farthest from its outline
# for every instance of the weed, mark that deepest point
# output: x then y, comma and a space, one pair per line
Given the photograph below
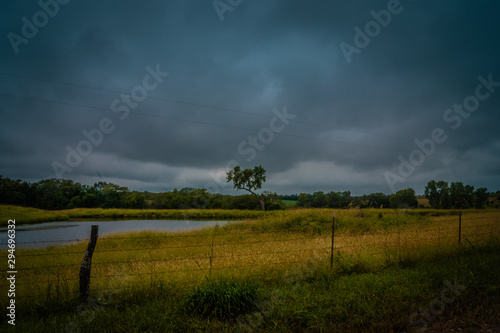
222, 299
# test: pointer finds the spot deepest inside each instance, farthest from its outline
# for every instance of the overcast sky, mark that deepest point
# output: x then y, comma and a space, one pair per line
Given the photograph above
325, 95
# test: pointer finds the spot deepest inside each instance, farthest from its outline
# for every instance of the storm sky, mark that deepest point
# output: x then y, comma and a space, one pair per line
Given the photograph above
325, 95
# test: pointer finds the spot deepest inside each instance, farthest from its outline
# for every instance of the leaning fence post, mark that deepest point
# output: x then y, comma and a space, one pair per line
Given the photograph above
459, 226
333, 234
85, 268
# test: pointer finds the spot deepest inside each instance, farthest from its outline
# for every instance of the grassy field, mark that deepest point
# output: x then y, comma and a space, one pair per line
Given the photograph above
290, 203
423, 202
25, 215
387, 265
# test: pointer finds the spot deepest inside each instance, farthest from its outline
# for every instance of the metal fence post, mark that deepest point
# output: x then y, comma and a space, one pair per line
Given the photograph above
333, 235
459, 226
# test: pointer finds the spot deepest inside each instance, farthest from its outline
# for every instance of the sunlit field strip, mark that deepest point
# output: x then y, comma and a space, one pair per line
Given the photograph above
238, 255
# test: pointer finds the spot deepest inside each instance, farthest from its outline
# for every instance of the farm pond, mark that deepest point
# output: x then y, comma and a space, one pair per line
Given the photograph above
63, 233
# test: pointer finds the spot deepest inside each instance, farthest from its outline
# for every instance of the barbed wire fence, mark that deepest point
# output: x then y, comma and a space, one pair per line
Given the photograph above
222, 252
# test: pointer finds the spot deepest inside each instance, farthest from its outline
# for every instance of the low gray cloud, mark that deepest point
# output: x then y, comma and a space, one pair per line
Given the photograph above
353, 120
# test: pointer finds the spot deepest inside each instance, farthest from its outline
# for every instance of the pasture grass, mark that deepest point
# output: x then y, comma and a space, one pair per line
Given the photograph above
26, 215
289, 203
222, 299
387, 264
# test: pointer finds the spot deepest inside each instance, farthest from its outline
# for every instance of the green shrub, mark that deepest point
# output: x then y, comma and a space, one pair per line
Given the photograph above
222, 299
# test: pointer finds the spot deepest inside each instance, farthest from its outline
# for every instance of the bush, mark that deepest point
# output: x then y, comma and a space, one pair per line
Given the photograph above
222, 299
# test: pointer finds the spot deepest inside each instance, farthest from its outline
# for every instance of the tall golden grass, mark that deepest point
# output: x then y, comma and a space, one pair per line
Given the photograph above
262, 248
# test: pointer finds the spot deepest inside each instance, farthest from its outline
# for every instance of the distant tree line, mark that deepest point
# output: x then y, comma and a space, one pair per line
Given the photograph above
401, 199
187, 198
55, 194
456, 195
293, 197
328, 200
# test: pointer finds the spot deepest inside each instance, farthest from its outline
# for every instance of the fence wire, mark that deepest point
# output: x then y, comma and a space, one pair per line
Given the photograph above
341, 243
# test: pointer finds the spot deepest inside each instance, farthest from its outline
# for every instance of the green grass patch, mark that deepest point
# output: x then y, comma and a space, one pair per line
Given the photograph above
26, 215
319, 221
290, 203
222, 299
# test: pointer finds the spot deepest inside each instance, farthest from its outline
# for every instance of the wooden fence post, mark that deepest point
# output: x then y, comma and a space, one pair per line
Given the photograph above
86, 262
333, 235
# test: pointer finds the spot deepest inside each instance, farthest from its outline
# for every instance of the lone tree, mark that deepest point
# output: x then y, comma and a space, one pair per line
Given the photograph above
249, 180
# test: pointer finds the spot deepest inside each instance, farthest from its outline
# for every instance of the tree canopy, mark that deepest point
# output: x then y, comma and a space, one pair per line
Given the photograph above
249, 180
54, 194
457, 195
404, 199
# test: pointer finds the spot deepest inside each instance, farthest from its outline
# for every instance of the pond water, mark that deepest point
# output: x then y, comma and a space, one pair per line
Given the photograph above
64, 233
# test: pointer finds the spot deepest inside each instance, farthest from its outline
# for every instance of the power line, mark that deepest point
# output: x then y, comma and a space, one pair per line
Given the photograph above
237, 127
229, 110
98, 108
149, 97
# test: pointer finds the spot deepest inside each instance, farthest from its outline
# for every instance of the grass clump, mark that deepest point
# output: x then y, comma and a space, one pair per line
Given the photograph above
25, 215
222, 299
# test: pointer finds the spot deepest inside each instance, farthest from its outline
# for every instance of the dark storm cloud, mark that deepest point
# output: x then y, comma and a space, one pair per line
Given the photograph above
351, 123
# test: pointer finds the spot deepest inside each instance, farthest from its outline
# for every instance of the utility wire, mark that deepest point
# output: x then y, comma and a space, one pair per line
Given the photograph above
229, 110
240, 128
